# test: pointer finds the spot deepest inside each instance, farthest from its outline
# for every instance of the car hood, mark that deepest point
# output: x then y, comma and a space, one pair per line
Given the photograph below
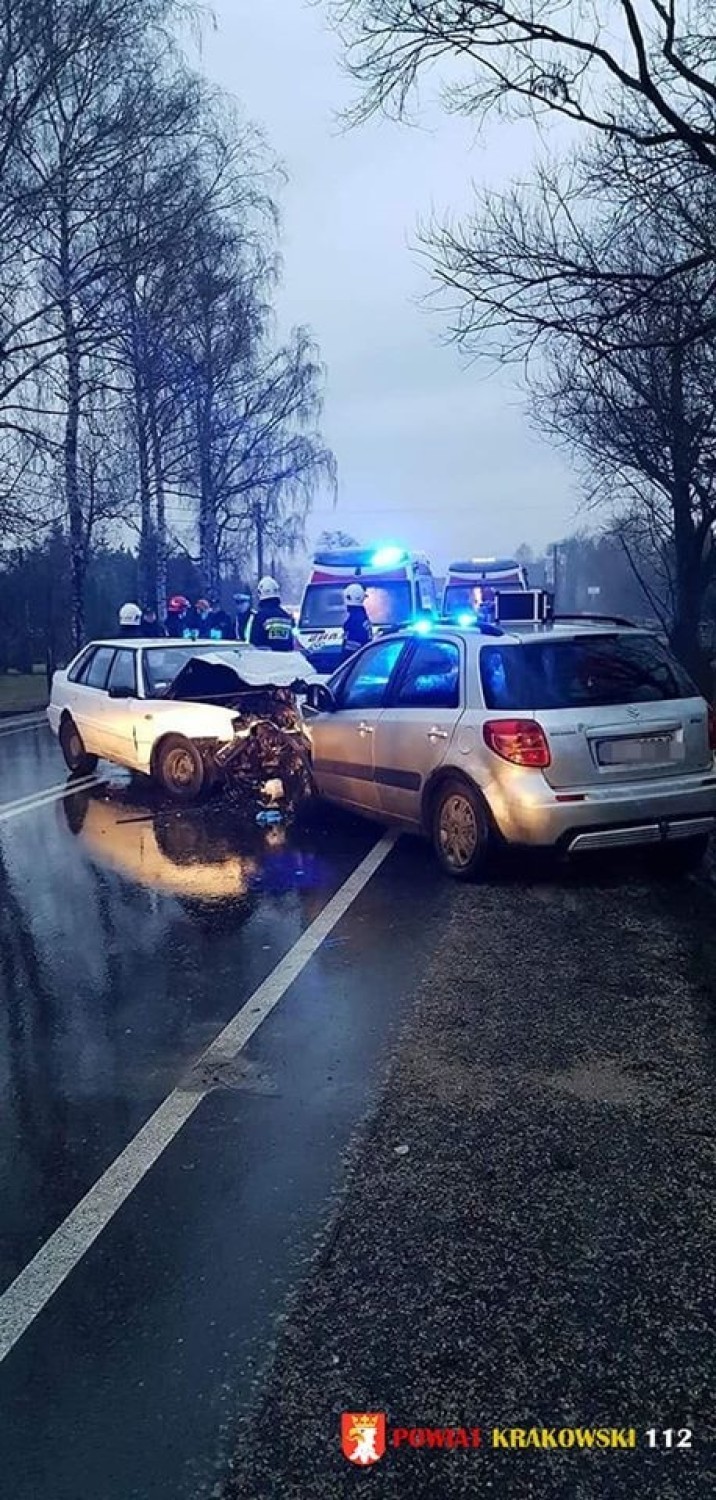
213, 675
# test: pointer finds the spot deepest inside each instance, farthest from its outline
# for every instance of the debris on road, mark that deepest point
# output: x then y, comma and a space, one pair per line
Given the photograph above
274, 789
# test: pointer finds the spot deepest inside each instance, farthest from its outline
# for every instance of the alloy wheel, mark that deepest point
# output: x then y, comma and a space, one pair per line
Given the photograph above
458, 831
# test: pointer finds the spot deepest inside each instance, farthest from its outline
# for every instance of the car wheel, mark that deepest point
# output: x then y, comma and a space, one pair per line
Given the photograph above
77, 760
683, 855
180, 769
460, 830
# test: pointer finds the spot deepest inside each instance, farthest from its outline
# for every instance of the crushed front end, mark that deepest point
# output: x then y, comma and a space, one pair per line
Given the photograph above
270, 745
268, 758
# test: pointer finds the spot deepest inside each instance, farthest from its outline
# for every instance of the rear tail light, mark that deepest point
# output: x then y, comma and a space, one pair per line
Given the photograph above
521, 741
712, 728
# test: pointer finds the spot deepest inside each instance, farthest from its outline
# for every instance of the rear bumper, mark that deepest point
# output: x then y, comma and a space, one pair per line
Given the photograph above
637, 834
525, 810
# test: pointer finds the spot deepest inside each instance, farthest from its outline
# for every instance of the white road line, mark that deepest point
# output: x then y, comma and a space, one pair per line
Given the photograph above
6, 734
16, 809
30, 1292
16, 721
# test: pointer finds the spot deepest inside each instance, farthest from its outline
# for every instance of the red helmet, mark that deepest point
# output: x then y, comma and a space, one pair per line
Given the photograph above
177, 604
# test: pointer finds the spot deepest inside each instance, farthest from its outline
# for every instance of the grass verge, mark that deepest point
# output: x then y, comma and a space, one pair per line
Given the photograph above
21, 693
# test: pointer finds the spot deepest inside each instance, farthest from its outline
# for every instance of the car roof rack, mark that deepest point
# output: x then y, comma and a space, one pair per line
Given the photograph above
598, 619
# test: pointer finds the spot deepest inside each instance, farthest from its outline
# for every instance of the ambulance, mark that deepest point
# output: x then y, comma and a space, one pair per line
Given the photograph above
472, 584
399, 585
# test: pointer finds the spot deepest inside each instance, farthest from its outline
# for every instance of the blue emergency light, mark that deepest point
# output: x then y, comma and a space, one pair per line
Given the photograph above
388, 557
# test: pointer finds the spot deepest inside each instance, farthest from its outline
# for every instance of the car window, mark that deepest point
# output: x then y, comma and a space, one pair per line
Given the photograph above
587, 672
78, 673
503, 677
432, 677
365, 686
96, 676
122, 676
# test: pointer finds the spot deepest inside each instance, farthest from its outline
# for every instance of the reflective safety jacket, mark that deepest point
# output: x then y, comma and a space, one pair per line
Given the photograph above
357, 630
271, 627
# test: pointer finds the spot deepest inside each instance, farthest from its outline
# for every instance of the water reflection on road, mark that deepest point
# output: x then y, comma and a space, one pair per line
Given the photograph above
129, 934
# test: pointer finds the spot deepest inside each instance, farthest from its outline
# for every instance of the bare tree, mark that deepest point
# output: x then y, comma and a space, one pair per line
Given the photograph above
140, 385
271, 456
254, 453
227, 310
571, 60
643, 423
591, 241
36, 49
33, 54
94, 109
331, 541
614, 320
197, 164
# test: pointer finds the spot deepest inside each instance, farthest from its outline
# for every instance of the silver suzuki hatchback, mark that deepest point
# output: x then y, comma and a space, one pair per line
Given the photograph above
576, 736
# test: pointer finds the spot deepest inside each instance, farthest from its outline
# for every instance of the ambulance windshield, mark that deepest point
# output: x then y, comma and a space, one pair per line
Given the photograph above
324, 605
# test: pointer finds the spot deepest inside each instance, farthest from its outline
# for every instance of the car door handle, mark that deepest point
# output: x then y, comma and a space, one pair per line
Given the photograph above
365, 728
437, 734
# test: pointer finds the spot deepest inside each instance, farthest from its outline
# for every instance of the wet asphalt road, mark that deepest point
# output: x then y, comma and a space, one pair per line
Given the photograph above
129, 935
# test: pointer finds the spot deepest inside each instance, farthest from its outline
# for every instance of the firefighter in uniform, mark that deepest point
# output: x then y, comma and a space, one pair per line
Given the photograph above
357, 630
271, 626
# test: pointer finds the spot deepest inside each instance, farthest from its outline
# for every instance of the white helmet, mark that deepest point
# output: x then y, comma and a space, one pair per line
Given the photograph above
130, 614
355, 594
269, 589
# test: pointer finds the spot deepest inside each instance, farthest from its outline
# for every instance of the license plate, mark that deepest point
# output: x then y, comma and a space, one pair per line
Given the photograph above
646, 749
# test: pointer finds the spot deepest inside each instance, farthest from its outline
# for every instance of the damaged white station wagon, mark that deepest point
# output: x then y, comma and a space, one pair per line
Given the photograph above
188, 714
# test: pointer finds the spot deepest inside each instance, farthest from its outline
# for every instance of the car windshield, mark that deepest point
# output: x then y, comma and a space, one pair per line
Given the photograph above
467, 596
586, 672
324, 604
163, 663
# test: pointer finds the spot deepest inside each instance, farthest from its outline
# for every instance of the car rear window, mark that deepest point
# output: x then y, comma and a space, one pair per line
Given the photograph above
587, 671
122, 676
96, 675
78, 672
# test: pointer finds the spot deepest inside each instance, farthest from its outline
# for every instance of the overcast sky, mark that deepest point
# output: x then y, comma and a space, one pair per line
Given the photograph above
429, 452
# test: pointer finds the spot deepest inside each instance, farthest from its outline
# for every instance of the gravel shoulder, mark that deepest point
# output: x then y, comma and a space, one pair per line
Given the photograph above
542, 1253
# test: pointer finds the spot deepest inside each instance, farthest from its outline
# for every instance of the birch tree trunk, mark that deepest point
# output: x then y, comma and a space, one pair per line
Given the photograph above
73, 370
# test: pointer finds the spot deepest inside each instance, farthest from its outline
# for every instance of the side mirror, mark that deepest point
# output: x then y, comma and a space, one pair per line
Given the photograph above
119, 692
320, 698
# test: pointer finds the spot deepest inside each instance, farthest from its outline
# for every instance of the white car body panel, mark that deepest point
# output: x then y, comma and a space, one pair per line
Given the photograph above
158, 717
125, 731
